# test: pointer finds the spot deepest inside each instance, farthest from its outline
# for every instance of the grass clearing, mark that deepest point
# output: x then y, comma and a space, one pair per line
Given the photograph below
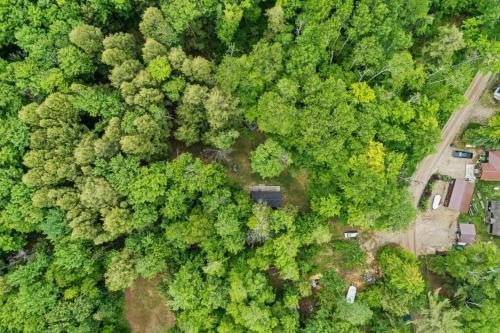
330, 258
293, 182
145, 309
486, 98
344, 256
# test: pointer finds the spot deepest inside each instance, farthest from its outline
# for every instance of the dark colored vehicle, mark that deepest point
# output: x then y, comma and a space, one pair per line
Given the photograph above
461, 154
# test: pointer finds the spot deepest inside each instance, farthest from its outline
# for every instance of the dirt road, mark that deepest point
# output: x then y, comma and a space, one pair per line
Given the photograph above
457, 122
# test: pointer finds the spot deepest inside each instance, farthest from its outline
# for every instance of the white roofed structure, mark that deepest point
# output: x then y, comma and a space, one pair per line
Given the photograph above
351, 294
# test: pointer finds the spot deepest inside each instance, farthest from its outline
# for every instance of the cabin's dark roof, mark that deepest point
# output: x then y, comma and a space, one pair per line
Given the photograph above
494, 228
270, 195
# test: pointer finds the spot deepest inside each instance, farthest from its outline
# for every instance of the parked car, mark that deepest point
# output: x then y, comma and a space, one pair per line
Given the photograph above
462, 154
496, 93
436, 201
351, 234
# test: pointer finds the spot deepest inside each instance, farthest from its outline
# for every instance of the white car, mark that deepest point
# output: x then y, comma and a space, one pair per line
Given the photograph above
436, 201
351, 234
496, 94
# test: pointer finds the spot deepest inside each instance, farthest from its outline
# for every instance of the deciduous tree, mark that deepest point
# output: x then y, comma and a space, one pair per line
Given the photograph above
87, 37
438, 317
270, 159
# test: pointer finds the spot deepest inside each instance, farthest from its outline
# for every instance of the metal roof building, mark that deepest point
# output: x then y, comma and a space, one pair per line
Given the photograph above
269, 195
467, 233
461, 195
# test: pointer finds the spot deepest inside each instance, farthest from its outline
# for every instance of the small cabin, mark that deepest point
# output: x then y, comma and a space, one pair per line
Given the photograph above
269, 195
466, 233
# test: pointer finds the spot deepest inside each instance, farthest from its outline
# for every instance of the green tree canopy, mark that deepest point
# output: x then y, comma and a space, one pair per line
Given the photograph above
270, 159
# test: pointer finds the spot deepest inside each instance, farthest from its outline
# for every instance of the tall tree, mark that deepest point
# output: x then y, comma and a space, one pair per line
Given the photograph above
438, 317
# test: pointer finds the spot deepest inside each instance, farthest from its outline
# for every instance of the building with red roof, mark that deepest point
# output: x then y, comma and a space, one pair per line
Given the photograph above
461, 195
491, 169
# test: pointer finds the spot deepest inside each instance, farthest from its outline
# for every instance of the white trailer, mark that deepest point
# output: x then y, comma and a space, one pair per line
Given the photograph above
351, 294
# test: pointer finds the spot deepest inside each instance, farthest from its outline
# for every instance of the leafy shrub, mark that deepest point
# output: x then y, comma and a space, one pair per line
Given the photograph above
351, 254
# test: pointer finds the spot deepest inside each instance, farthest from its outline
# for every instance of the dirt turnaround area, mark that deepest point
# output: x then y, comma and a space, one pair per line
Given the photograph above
145, 309
433, 230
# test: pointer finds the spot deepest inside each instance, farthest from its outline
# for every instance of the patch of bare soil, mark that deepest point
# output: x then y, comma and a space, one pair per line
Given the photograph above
145, 309
433, 230
455, 167
483, 112
238, 165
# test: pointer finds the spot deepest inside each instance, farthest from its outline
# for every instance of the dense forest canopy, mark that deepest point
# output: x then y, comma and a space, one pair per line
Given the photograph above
97, 96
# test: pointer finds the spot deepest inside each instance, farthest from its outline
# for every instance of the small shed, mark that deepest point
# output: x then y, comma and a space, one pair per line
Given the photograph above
493, 217
461, 195
491, 169
469, 173
351, 294
269, 195
466, 233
